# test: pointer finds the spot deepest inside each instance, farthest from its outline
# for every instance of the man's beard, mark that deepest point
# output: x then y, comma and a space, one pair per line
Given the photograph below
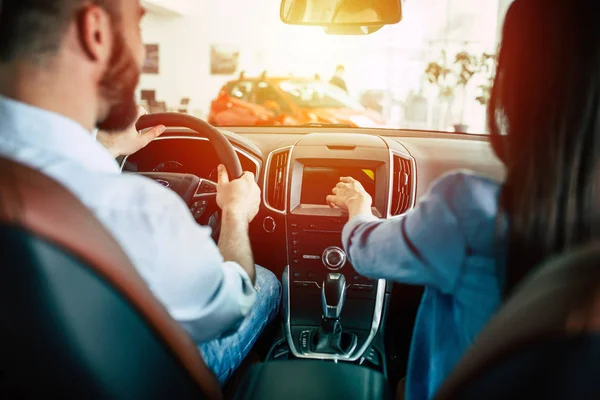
118, 88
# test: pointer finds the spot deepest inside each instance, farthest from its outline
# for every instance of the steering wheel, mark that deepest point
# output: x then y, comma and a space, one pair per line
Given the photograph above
199, 194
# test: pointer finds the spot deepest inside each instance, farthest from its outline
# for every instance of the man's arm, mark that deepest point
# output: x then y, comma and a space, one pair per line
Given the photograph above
179, 260
234, 242
239, 201
209, 290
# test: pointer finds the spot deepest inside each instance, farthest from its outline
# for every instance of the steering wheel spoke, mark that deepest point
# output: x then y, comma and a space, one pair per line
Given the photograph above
204, 202
206, 189
204, 208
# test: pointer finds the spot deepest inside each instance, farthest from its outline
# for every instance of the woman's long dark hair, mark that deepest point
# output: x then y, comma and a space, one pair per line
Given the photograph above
544, 116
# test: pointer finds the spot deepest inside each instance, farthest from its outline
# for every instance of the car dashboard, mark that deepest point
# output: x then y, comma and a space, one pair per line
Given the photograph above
298, 236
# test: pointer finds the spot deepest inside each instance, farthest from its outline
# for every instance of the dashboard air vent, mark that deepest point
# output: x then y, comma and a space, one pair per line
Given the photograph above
276, 178
403, 185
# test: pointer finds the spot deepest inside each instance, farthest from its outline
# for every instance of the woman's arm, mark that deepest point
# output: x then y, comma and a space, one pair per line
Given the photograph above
424, 247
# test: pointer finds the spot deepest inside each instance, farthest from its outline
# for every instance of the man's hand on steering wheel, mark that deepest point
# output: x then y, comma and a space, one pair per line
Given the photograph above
129, 141
240, 197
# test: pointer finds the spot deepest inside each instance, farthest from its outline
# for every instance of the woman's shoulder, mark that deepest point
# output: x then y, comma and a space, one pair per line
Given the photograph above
464, 189
463, 179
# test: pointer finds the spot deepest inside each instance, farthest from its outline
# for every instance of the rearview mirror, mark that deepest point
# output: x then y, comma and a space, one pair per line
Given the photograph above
341, 12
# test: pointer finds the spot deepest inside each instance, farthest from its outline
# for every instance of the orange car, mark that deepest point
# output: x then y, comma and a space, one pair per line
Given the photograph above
288, 101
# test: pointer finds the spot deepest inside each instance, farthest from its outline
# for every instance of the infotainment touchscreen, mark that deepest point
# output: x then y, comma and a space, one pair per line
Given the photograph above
317, 182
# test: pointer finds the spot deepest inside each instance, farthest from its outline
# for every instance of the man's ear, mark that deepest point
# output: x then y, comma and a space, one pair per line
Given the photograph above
95, 30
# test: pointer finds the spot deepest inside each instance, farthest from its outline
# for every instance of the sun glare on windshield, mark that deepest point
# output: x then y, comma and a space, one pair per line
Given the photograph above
234, 63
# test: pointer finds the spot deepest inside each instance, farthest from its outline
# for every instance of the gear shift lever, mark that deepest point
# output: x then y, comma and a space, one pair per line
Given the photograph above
329, 338
333, 295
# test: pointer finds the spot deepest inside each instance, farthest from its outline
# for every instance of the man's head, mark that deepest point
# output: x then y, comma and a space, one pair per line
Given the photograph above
97, 42
340, 70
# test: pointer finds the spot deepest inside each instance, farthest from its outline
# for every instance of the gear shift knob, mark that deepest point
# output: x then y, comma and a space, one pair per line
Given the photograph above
333, 295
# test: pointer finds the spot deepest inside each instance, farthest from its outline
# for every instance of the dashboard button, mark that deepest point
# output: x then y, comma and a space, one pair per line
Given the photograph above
334, 258
198, 213
207, 187
304, 341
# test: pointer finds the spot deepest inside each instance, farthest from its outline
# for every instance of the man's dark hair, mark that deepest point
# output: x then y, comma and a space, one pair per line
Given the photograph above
34, 28
544, 116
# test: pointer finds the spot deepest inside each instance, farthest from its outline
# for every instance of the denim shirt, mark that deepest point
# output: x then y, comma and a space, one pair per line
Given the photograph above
449, 243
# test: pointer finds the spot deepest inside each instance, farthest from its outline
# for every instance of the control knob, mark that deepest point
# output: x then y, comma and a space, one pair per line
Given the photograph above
334, 258
269, 224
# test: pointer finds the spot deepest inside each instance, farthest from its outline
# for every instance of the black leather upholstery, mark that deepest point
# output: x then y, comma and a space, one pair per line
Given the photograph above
329, 338
65, 332
312, 380
76, 320
544, 343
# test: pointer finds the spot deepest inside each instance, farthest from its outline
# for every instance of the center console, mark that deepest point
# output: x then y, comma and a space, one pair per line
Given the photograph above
331, 312
316, 259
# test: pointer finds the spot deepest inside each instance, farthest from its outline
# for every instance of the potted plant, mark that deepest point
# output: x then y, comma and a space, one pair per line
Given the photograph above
440, 75
487, 69
467, 65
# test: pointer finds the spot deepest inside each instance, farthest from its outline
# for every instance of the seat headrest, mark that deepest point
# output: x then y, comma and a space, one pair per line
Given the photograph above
37, 204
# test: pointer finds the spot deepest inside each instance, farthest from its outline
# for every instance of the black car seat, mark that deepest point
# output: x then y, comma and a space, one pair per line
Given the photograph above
76, 320
544, 343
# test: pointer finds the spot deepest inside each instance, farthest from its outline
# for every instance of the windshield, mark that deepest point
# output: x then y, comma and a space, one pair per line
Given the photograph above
319, 95
234, 63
